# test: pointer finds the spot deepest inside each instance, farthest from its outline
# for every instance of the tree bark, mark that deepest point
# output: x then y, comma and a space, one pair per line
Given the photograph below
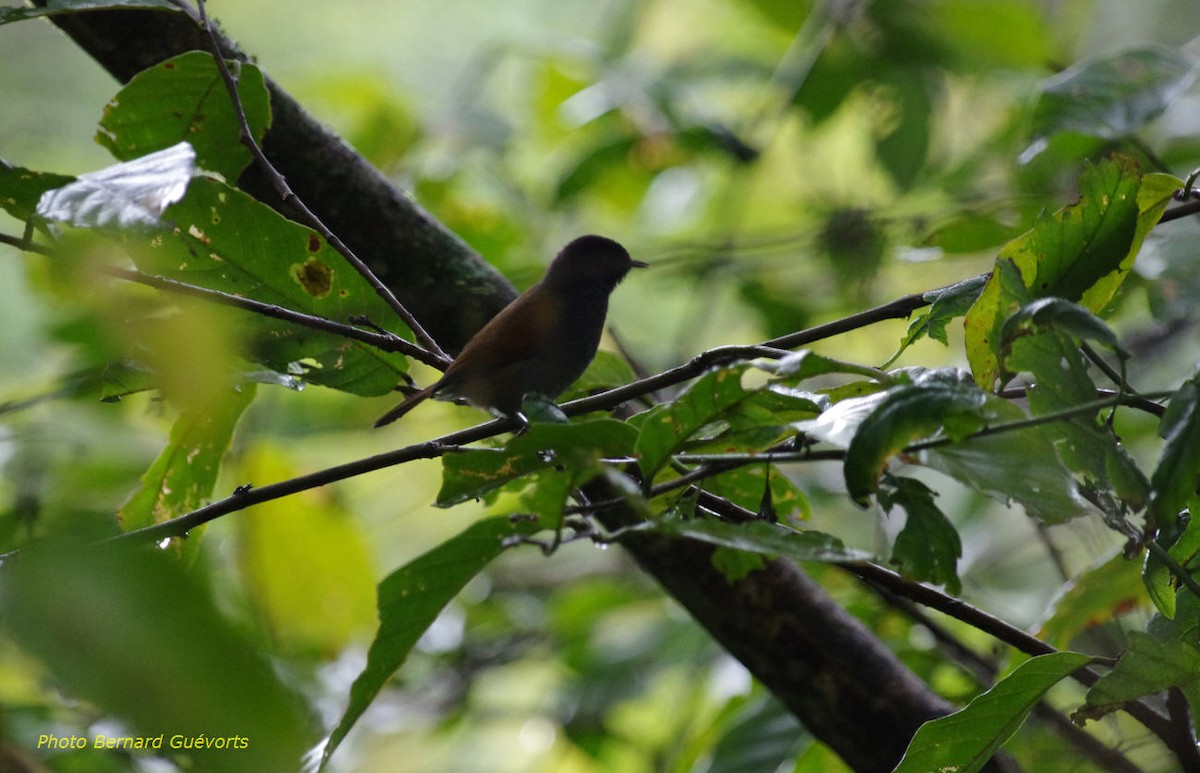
841, 682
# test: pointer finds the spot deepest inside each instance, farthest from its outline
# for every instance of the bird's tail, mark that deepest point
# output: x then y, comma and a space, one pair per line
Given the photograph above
409, 403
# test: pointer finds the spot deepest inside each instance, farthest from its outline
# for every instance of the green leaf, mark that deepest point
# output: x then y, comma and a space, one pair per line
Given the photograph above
225, 240
1058, 314
904, 414
1065, 254
134, 634
412, 597
903, 152
1155, 192
182, 478
1180, 534
1149, 665
599, 161
1177, 474
965, 740
1092, 599
805, 364
59, 7
1021, 465
181, 99
735, 565
760, 537
763, 735
744, 487
20, 189
947, 304
665, 430
928, 547
968, 233
578, 446
1087, 447
1115, 96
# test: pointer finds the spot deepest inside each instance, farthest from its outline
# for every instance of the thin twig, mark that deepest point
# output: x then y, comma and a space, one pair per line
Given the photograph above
289, 196
382, 339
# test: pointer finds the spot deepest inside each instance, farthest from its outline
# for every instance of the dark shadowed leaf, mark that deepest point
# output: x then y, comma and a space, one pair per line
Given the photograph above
928, 547
904, 414
1164, 656
948, 304
763, 735
1017, 465
1087, 446
1114, 96
1175, 478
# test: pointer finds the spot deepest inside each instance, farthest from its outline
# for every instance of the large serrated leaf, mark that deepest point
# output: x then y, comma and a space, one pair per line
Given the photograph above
1086, 446
965, 740
411, 598
1090, 244
1016, 465
1149, 665
928, 548
184, 98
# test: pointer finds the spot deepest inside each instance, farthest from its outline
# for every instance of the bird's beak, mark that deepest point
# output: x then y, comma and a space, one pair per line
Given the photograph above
638, 264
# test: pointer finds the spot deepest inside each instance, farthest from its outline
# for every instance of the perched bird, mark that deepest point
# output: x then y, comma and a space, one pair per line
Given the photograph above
541, 342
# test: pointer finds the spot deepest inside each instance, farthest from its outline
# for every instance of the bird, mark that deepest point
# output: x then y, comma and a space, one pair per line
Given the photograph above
541, 342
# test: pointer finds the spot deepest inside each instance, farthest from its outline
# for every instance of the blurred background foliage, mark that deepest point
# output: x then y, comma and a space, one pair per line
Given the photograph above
779, 163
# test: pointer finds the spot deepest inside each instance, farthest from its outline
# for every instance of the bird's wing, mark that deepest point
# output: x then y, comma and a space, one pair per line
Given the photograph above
519, 332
